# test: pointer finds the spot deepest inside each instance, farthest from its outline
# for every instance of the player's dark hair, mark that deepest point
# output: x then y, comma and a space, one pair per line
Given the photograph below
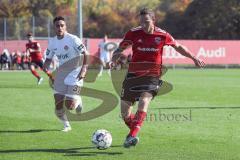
58, 18
29, 34
148, 11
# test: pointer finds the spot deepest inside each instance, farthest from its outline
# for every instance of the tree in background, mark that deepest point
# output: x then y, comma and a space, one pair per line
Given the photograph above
19, 15
112, 17
185, 19
204, 19
12, 9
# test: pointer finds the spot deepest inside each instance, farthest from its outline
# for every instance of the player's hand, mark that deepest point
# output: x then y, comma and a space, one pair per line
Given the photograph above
81, 76
82, 73
199, 63
31, 50
110, 65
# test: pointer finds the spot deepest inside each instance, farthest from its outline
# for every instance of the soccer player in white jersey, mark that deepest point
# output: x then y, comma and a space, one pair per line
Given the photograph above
72, 57
105, 55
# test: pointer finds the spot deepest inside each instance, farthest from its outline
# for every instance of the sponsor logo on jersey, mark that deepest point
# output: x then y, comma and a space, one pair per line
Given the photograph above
157, 40
66, 47
148, 49
65, 56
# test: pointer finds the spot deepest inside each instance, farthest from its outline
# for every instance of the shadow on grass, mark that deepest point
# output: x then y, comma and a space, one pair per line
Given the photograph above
68, 152
28, 131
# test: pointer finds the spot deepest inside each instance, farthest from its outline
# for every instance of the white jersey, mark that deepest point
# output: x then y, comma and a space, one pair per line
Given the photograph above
104, 54
68, 51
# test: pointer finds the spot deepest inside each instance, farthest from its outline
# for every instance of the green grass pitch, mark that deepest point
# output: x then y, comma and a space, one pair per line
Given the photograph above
198, 120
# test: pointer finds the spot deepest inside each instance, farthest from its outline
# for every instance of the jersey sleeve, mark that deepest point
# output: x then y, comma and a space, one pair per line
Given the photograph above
50, 52
170, 40
79, 47
127, 40
38, 46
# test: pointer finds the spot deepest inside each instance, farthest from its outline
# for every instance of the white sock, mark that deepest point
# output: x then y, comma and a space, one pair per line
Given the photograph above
101, 70
60, 113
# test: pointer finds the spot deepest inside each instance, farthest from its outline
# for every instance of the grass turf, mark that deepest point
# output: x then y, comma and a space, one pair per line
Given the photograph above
198, 119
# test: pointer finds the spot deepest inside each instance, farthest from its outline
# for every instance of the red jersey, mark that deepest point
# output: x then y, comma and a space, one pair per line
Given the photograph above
34, 55
147, 50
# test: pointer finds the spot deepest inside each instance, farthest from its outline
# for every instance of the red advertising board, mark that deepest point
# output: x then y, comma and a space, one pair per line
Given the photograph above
211, 51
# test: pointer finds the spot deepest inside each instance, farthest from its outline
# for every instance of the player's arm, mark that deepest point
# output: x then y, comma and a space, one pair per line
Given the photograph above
84, 68
47, 64
118, 53
126, 43
183, 50
46, 67
49, 57
110, 54
37, 49
187, 53
27, 50
81, 49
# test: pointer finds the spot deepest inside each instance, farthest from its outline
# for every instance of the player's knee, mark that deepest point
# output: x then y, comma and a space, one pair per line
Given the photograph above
144, 102
145, 97
126, 104
124, 115
59, 106
69, 104
73, 103
31, 67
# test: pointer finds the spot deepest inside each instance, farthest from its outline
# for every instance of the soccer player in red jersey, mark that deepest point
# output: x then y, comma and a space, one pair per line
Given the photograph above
36, 59
142, 80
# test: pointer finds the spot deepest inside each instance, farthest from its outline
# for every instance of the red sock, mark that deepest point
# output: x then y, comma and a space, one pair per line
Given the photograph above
128, 120
34, 72
137, 123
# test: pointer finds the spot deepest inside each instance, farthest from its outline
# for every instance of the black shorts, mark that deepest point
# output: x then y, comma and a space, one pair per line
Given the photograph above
133, 86
37, 63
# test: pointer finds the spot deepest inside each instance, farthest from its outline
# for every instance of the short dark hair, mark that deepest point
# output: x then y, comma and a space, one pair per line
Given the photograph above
148, 11
58, 18
29, 34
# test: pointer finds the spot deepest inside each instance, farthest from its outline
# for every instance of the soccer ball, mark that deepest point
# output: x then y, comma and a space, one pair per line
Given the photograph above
102, 139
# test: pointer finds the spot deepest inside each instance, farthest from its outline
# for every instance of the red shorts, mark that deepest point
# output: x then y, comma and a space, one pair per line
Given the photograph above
38, 63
